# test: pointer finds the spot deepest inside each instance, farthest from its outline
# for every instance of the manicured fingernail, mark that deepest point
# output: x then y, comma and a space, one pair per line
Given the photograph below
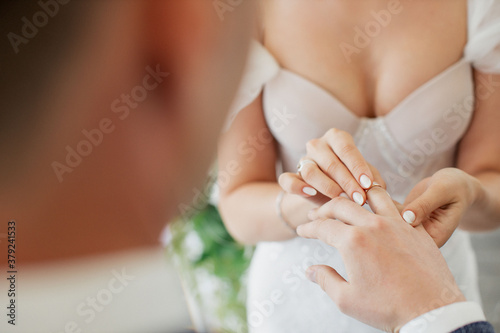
311, 274
309, 191
344, 195
365, 182
358, 198
409, 216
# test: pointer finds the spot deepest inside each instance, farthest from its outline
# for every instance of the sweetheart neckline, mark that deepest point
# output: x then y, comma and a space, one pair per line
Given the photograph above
400, 105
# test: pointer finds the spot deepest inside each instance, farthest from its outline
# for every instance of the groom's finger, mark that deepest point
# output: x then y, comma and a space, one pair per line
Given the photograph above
342, 209
328, 231
381, 203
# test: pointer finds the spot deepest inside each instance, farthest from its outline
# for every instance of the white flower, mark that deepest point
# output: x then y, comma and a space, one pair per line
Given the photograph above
193, 246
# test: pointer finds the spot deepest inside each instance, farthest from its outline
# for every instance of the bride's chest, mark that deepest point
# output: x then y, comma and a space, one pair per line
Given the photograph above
370, 55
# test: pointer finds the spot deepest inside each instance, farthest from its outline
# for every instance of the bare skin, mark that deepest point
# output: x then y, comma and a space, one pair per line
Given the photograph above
389, 263
370, 83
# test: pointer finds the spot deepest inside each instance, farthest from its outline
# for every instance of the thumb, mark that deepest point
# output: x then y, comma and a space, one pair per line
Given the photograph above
328, 279
419, 209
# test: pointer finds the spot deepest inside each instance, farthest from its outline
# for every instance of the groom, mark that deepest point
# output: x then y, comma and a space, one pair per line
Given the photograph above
110, 115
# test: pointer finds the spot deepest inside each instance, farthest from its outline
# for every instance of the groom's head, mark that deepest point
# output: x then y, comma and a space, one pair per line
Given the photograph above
110, 114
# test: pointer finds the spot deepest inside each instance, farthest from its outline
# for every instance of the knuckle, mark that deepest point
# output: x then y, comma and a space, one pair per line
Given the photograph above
349, 185
340, 135
332, 132
332, 189
332, 168
358, 168
322, 224
347, 149
377, 223
311, 145
423, 205
335, 201
354, 237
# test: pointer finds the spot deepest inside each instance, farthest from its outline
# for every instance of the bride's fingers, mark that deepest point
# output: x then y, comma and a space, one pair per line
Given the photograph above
342, 209
334, 168
312, 175
381, 203
344, 147
293, 183
399, 206
420, 208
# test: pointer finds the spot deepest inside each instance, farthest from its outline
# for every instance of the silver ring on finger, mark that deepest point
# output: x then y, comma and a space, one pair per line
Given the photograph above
303, 162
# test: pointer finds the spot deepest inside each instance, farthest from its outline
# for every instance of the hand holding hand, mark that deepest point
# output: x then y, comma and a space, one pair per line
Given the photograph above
332, 166
395, 272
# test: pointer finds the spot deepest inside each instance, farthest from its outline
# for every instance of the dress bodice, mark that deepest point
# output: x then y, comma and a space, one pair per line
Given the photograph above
415, 139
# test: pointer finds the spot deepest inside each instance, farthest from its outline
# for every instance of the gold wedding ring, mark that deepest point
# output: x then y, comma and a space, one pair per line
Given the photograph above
375, 184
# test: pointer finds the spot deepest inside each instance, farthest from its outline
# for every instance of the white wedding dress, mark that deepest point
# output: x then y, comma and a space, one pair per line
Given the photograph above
416, 139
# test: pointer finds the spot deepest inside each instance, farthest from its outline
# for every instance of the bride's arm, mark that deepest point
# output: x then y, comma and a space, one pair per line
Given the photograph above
479, 155
248, 185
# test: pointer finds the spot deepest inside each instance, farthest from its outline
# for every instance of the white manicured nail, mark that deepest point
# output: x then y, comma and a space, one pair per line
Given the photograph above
409, 216
358, 198
365, 181
309, 191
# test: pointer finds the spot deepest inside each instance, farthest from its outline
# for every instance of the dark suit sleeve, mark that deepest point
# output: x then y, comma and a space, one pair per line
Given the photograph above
479, 327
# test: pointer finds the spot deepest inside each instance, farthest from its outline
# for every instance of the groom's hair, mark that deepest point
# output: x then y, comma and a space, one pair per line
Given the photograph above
35, 37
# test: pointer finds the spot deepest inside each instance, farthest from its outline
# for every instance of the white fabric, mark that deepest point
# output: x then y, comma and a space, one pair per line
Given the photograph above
483, 47
260, 68
445, 319
416, 139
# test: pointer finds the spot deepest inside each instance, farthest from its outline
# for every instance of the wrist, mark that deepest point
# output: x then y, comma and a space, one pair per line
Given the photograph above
295, 209
279, 211
477, 193
472, 189
436, 294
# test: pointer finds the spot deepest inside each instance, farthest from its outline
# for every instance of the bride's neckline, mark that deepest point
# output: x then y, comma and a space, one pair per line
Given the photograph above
399, 106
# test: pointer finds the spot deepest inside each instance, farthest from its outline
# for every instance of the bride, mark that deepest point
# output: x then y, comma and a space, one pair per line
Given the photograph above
402, 93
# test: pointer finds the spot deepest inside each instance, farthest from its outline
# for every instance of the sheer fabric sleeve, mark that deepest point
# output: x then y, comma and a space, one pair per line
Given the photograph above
260, 68
483, 47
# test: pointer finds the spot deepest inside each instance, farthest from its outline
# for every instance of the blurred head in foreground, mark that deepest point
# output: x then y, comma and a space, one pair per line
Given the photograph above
110, 115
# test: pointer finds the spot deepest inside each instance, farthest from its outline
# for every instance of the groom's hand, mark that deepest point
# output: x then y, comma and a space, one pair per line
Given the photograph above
395, 272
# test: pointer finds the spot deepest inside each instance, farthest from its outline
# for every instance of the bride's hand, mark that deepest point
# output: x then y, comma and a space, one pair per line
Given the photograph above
439, 202
333, 165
